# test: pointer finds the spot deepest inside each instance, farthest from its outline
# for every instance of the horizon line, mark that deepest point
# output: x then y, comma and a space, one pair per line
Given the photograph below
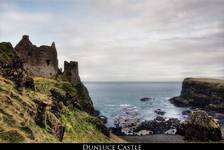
133, 81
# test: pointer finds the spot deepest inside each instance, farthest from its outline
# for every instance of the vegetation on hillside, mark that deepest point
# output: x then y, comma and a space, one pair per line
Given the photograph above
18, 109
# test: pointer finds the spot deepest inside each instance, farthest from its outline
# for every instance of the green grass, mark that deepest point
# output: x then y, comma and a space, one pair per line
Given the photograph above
27, 131
18, 110
216, 107
44, 85
79, 129
17, 114
12, 136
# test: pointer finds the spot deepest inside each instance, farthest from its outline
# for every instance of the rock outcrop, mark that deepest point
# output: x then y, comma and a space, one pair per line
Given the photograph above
203, 93
201, 127
159, 125
11, 67
130, 123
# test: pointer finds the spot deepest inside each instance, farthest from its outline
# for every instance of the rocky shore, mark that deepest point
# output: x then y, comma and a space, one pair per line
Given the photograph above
203, 121
199, 127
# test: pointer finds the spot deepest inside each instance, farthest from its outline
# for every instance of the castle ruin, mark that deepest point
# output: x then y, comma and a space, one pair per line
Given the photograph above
43, 62
71, 72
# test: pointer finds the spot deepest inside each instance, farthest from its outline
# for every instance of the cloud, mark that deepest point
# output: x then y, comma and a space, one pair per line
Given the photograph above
132, 40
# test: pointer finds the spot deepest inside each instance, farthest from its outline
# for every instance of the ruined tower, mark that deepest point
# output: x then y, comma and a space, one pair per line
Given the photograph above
71, 72
40, 61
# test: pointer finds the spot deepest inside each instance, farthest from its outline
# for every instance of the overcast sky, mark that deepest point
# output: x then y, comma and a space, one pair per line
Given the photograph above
124, 40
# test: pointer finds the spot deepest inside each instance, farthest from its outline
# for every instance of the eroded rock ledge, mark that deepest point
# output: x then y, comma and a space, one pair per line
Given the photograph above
202, 93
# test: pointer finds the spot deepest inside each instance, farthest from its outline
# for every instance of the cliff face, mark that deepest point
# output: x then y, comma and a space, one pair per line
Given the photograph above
11, 67
199, 92
39, 108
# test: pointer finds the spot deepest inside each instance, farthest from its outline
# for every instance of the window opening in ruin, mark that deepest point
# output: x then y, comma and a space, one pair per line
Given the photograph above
48, 62
29, 53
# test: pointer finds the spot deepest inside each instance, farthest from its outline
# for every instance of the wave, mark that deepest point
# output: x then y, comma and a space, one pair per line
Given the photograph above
124, 105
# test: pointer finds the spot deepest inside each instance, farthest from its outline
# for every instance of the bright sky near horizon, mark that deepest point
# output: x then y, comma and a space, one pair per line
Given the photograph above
124, 40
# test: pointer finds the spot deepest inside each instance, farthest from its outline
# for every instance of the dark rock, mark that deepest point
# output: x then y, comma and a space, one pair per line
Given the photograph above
179, 101
96, 113
40, 115
216, 107
84, 98
58, 98
28, 131
54, 126
144, 99
61, 98
48, 120
117, 131
159, 112
29, 83
202, 127
220, 117
132, 125
186, 112
59, 131
127, 120
159, 127
159, 119
103, 119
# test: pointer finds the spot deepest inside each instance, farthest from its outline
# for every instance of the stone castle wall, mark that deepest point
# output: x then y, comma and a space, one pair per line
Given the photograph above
42, 61
71, 72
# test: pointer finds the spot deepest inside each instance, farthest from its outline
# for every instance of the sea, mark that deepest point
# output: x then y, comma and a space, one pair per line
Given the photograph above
111, 98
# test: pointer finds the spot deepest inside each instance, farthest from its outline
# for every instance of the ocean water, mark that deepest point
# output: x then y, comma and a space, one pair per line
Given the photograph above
110, 98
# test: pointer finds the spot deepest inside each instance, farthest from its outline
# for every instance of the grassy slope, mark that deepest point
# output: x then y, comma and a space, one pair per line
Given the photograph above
17, 113
206, 80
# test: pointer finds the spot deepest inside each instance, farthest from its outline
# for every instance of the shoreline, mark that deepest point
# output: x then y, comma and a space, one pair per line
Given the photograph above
161, 138
156, 138
164, 138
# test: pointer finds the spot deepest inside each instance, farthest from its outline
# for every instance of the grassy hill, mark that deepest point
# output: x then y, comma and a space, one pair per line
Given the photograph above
42, 110
18, 109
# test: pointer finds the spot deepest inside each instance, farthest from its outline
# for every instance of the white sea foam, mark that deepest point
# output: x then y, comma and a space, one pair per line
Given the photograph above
124, 105
113, 99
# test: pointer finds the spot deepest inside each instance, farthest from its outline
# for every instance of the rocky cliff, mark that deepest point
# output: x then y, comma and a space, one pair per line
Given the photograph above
203, 93
37, 107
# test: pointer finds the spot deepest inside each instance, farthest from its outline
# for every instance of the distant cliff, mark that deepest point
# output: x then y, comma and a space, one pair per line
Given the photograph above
203, 93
